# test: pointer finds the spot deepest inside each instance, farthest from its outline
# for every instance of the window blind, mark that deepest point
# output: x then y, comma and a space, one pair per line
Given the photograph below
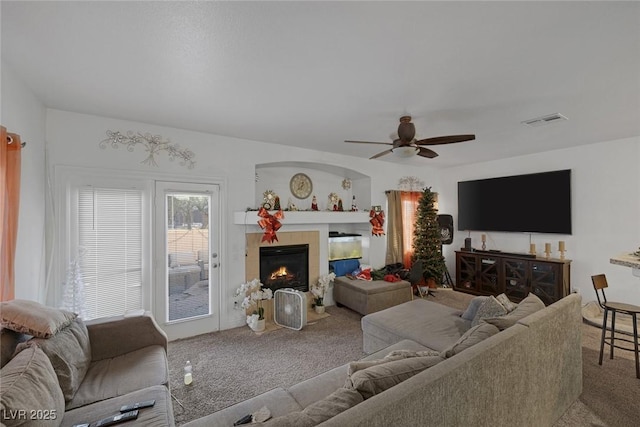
110, 230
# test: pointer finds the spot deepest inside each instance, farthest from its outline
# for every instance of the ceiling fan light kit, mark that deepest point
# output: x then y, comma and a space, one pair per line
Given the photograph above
405, 151
407, 146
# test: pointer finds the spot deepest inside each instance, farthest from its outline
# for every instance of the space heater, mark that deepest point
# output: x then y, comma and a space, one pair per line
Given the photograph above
290, 308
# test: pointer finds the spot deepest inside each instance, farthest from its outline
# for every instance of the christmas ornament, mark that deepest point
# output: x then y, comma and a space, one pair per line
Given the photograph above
377, 222
270, 224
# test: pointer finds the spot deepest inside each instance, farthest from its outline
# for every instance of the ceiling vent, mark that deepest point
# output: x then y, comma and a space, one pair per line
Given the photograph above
544, 120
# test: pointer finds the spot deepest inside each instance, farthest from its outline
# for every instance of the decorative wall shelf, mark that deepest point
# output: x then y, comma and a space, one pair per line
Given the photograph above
306, 217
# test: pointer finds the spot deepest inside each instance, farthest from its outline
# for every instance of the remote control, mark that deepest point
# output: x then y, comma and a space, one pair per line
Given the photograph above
115, 419
139, 405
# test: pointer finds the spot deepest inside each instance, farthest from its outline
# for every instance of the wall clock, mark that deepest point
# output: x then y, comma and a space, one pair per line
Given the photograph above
301, 186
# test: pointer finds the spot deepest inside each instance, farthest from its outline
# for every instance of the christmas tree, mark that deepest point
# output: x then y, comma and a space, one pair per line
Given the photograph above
427, 245
73, 298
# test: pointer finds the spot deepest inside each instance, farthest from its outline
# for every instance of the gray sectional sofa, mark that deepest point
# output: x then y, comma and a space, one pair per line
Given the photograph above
74, 372
520, 369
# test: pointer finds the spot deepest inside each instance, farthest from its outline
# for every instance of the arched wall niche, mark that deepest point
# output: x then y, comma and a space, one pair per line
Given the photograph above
326, 179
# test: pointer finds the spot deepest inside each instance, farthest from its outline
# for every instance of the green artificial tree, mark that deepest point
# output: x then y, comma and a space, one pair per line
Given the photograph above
427, 245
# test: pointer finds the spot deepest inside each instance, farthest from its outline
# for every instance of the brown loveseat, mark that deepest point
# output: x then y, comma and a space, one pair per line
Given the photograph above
75, 372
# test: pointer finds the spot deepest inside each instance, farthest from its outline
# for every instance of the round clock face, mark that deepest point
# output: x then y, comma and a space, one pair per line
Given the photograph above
301, 186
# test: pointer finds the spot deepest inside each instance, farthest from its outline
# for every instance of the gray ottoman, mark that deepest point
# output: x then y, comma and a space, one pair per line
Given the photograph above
370, 296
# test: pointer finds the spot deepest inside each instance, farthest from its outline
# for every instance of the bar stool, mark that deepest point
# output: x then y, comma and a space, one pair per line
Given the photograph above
599, 284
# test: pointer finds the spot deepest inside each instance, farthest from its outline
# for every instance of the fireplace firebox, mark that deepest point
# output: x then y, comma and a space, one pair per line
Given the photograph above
285, 267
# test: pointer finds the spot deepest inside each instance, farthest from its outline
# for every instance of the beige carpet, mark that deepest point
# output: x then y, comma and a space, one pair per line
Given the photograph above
236, 364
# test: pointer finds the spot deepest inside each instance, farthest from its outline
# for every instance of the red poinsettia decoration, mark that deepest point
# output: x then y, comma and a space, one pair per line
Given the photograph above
270, 224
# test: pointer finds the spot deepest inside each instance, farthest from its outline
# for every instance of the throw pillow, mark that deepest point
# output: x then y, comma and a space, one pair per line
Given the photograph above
473, 307
70, 354
527, 306
30, 384
470, 338
489, 308
320, 411
33, 318
506, 302
394, 355
376, 379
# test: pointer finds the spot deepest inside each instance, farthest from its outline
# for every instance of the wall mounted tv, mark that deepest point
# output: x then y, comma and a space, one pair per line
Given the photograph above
533, 203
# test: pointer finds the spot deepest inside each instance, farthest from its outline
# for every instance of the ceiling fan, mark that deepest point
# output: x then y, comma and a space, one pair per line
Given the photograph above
406, 145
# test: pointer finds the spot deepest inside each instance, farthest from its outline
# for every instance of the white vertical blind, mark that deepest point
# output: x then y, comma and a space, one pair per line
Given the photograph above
110, 228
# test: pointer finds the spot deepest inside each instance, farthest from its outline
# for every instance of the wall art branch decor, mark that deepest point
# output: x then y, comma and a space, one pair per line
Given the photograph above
410, 183
153, 145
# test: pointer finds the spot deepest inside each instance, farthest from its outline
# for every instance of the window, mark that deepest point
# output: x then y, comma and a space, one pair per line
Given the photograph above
110, 238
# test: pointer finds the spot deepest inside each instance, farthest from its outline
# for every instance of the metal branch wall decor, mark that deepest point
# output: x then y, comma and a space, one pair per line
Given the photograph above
410, 183
153, 145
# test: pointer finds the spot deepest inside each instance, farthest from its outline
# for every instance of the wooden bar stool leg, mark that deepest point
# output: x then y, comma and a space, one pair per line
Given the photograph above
613, 331
604, 331
635, 344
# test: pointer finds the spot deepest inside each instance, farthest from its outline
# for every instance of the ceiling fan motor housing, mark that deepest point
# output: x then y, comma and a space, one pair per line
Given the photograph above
406, 130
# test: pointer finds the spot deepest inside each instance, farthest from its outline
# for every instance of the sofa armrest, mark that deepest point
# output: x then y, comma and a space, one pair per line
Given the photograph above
118, 335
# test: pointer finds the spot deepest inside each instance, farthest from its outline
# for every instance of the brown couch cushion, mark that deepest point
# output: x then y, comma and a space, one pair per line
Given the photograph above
33, 318
30, 384
70, 354
527, 306
9, 340
470, 338
320, 411
124, 374
376, 379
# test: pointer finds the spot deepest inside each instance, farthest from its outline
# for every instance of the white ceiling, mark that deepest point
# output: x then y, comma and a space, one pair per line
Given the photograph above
312, 74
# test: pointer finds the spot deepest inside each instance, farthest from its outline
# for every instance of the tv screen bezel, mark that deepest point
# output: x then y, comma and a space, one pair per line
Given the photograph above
561, 205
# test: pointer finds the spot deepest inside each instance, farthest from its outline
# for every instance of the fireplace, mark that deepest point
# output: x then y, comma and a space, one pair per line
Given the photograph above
285, 267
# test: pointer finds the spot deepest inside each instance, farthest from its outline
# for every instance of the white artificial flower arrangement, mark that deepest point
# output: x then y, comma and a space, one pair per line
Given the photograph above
319, 290
252, 296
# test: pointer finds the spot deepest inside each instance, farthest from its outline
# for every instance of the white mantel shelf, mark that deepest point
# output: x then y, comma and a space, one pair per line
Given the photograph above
305, 217
627, 260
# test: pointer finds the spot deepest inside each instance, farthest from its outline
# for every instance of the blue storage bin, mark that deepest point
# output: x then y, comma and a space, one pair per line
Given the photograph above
344, 266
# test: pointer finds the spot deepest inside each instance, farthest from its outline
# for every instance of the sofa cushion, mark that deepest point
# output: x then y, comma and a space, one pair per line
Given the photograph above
527, 306
30, 384
33, 318
278, 401
473, 307
180, 259
123, 374
70, 354
9, 340
320, 411
159, 415
394, 355
489, 308
318, 387
376, 379
433, 325
471, 337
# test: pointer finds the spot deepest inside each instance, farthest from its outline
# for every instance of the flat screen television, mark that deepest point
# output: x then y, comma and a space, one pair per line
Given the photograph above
533, 203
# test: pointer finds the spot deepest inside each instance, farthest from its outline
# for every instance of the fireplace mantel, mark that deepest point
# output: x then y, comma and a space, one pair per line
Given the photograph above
305, 217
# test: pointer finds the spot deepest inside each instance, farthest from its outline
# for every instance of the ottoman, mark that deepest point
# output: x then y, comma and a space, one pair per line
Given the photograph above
370, 296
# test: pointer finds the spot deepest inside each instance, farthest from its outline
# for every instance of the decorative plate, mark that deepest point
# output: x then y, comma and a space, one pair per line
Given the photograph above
301, 186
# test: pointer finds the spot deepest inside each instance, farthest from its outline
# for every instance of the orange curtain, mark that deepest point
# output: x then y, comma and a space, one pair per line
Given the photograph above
10, 149
409, 200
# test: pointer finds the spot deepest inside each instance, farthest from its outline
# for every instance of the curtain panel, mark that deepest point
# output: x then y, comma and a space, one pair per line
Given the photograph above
402, 207
10, 157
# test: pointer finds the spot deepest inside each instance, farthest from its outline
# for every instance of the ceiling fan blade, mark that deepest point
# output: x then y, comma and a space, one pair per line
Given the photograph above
369, 142
425, 152
381, 154
450, 139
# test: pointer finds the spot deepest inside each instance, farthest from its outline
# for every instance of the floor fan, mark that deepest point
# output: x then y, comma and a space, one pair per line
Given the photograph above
290, 308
